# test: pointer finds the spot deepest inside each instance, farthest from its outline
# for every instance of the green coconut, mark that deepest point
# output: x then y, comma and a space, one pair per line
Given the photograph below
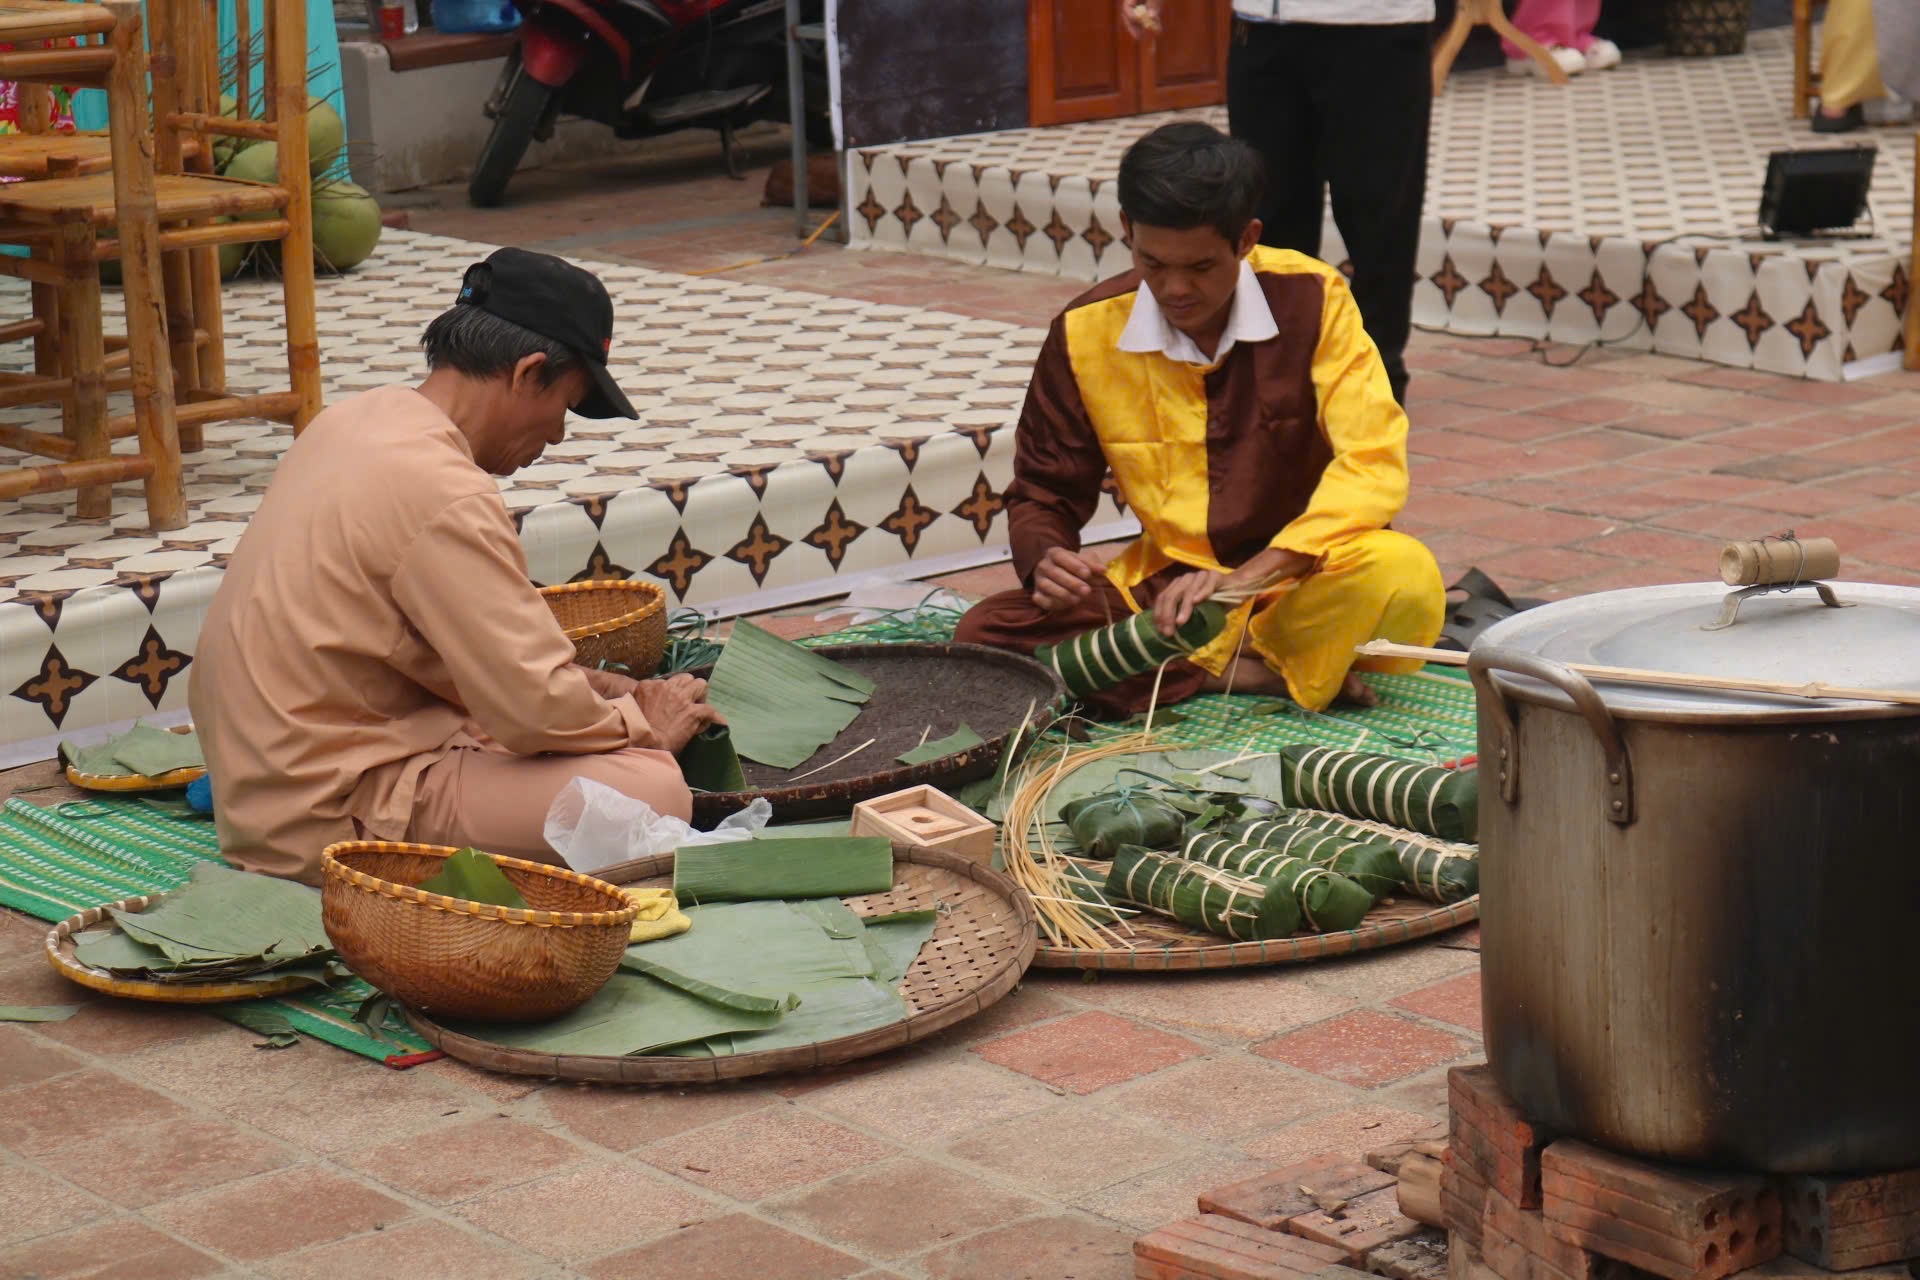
346, 225
326, 135
258, 163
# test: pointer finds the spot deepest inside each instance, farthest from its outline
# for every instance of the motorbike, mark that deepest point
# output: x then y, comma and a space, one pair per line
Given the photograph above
644, 68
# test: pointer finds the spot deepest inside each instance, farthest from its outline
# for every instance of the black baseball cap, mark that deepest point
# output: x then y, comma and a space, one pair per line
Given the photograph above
560, 302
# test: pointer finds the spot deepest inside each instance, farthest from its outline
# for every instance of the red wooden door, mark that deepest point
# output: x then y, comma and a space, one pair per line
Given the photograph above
1185, 65
1082, 64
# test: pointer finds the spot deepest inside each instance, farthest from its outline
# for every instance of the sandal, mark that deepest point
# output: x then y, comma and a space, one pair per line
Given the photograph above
1475, 603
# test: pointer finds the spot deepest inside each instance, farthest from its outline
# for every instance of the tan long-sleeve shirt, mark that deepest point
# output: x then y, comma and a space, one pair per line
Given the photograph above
377, 614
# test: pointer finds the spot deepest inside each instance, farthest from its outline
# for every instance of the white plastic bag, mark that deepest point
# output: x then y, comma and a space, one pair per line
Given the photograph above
590, 825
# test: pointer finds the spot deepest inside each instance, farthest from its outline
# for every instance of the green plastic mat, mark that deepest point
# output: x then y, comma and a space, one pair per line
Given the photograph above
1427, 716
55, 863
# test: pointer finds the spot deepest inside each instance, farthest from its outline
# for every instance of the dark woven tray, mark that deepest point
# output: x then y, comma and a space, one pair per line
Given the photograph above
915, 685
980, 947
1160, 945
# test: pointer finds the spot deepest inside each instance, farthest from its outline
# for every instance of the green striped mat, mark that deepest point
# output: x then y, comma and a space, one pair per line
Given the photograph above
1428, 715
55, 863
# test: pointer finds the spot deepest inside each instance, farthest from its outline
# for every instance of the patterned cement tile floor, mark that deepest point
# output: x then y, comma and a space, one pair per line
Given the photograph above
1035, 1141
726, 373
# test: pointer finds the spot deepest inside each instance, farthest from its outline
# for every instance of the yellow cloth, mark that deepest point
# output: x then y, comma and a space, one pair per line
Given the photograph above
660, 915
1150, 415
1849, 55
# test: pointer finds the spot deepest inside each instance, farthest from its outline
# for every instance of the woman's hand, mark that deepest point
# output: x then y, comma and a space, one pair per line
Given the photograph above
1140, 17
676, 709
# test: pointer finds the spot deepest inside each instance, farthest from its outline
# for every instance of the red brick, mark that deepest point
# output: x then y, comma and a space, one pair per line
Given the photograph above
1491, 1138
1210, 1247
1432, 1142
1463, 1198
1846, 1223
1463, 1258
1417, 1257
1273, 1199
1678, 1223
1517, 1245
1360, 1226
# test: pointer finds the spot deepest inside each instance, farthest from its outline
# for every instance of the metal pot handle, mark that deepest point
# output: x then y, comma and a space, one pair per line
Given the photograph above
1484, 659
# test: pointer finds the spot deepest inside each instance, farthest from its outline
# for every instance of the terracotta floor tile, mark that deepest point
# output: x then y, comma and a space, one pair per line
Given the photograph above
464, 1080
1675, 426
1226, 1097
1787, 467
1386, 974
1692, 557
1350, 1134
933, 1099
763, 1153
1365, 1048
44, 1116
466, 1160
1592, 410
736, 1246
1720, 520
1068, 1245
1088, 1052
38, 1203
1433, 510
1541, 529
1457, 1000
420, 1250
145, 1163
112, 1027
278, 1213
1216, 1004
900, 1207
30, 980
587, 1211
1544, 566
1527, 426
1072, 1149
1154, 1199
25, 1058
623, 1119
102, 1252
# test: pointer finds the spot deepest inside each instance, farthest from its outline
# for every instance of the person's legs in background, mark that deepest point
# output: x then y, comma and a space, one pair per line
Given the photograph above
1269, 108
1849, 66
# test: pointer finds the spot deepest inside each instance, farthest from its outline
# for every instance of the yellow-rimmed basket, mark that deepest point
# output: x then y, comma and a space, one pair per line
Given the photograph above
138, 781
60, 954
460, 959
613, 621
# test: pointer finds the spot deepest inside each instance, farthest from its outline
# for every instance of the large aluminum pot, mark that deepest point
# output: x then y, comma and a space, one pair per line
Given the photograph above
1701, 911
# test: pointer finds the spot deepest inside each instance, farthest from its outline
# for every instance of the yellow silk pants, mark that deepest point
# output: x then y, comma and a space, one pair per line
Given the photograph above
1381, 585
1849, 57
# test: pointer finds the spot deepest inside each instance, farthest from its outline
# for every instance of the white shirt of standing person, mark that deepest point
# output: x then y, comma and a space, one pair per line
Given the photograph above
1335, 12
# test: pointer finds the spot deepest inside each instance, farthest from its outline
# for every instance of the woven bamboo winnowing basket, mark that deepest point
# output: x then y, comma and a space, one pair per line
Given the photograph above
613, 621
460, 959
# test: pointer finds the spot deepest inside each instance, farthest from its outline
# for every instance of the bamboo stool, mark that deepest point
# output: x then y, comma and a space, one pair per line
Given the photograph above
65, 263
1472, 13
1806, 80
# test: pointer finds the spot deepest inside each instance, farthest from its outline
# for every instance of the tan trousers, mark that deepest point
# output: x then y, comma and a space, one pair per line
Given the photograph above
488, 798
1849, 55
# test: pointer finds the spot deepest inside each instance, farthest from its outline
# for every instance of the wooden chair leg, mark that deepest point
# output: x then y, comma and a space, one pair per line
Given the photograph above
1449, 47
208, 319
1913, 268
1496, 17
1802, 58
176, 282
84, 356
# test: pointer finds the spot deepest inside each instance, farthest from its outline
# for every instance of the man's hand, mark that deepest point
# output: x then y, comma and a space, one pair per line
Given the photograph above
1273, 565
1063, 578
676, 708
1172, 607
1140, 17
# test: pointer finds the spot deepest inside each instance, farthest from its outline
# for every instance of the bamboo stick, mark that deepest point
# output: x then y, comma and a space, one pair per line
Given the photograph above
1813, 689
21, 481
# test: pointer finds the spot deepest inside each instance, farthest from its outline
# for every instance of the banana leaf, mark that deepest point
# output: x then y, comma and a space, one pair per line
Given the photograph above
1432, 869
1444, 803
709, 762
782, 702
142, 751
224, 915
472, 876
631, 1014
1130, 815
1204, 897
940, 748
1369, 861
1329, 902
894, 941
743, 1000
37, 1012
783, 867
828, 1011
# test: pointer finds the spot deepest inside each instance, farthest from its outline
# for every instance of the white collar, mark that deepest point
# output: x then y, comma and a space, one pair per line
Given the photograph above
1250, 319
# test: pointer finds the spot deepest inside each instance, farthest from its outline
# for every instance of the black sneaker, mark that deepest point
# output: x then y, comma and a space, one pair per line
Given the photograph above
1846, 122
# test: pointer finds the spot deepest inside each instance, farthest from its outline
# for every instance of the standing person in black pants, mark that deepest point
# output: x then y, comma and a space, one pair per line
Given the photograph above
1336, 95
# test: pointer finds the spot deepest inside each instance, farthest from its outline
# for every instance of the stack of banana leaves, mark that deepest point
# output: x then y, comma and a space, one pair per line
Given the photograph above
224, 926
773, 959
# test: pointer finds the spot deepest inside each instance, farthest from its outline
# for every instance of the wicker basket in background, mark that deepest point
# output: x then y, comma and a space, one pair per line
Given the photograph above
623, 622
1708, 28
460, 959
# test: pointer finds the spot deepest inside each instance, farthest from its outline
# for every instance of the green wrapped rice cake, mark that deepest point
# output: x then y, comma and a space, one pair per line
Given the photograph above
1369, 861
1102, 824
1203, 897
1329, 901
1402, 793
1431, 869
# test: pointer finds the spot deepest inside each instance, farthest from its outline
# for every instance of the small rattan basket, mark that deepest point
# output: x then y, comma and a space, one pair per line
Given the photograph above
613, 621
460, 959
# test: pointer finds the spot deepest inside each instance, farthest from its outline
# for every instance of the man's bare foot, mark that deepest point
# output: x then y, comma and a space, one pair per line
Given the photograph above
1356, 692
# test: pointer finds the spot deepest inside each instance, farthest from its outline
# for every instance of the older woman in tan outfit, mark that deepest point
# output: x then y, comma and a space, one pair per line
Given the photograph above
376, 662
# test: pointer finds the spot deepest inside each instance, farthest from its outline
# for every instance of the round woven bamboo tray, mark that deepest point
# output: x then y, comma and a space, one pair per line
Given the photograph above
468, 959
981, 945
1160, 945
613, 621
915, 686
127, 782
60, 944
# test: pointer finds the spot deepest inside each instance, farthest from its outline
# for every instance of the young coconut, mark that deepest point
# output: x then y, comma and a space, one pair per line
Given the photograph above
326, 136
346, 225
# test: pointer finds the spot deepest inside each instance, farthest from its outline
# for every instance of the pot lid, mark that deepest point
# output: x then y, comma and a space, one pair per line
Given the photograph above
1873, 642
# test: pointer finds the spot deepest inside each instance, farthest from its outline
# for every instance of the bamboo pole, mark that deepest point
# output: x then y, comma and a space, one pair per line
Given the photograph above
97, 473
85, 356
287, 45
1813, 689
